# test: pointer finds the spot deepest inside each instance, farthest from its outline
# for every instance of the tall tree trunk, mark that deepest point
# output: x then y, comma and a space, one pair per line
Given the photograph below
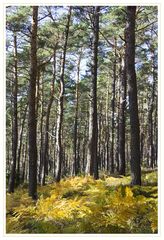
15, 120
93, 128
40, 107
99, 123
45, 145
122, 119
76, 170
59, 154
117, 126
142, 132
156, 132
107, 131
24, 164
150, 119
20, 145
84, 144
132, 90
113, 110
32, 121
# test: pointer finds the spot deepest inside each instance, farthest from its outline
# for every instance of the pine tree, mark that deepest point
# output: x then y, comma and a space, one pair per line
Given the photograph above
32, 122
132, 91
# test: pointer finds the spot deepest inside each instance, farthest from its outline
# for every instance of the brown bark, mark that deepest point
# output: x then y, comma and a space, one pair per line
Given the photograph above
107, 131
46, 139
132, 91
151, 147
32, 121
76, 164
59, 151
40, 104
113, 110
20, 145
93, 128
24, 165
15, 121
122, 163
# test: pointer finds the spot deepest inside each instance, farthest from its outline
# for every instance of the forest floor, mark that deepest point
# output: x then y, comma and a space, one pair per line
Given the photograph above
84, 205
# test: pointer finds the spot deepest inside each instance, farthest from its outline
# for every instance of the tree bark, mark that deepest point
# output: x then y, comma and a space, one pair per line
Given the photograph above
59, 154
122, 164
40, 113
20, 145
93, 128
113, 111
132, 91
76, 169
24, 165
15, 120
46, 139
32, 122
151, 153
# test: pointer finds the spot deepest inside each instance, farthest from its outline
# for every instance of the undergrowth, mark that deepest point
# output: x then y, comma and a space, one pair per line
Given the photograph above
85, 205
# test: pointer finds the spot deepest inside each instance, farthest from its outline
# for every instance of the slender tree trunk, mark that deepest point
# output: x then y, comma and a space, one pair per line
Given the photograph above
122, 164
40, 105
99, 122
24, 164
150, 120
107, 132
20, 145
15, 120
156, 132
93, 128
132, 90
113, 111
84, 157
45, 145
117, 126
59, 154
76, 170
32, 122
39, 115
142, 130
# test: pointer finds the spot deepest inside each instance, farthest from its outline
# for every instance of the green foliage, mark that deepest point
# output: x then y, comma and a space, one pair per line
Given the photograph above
85, 205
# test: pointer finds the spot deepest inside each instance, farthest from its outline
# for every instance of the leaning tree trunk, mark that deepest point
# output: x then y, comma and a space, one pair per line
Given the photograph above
15, 120
59, 154
32, 124
132, 90
93, 131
